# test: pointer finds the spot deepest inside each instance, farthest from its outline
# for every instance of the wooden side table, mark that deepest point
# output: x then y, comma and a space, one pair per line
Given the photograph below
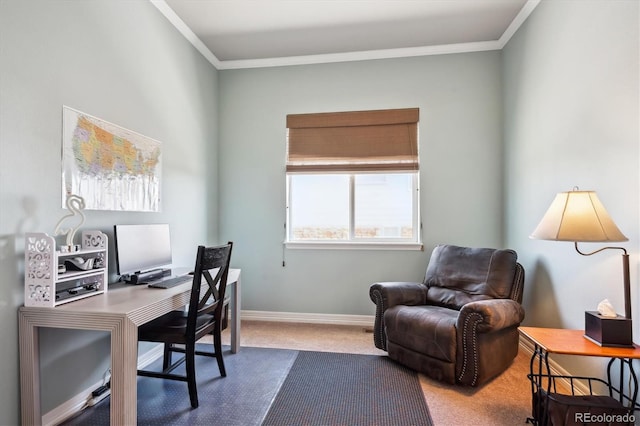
572, 342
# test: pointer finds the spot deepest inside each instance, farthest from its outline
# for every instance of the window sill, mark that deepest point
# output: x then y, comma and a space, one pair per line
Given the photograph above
368, 245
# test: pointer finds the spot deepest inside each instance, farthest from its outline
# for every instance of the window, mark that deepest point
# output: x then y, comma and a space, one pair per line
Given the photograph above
353, 178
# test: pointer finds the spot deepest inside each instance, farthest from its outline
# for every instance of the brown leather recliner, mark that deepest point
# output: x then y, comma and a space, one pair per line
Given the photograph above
461, 324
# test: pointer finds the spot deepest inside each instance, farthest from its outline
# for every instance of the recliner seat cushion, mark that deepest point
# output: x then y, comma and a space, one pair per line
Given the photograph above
429, 330
458, 275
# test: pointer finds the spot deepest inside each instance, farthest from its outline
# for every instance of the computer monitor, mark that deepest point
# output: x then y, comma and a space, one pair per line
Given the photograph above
142, 248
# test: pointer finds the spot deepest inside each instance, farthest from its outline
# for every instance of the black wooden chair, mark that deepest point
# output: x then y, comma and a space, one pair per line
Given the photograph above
202, 317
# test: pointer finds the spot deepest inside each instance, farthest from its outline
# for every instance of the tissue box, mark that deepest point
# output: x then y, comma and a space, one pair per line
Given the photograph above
606, 331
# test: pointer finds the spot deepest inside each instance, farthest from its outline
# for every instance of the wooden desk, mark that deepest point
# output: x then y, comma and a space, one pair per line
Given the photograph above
120, 311
573, 342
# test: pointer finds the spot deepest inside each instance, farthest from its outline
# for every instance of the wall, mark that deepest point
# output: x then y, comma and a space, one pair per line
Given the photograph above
571, 102
125, 63
459, 97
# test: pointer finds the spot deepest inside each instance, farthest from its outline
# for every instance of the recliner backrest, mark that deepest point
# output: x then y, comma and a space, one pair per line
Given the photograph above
458, 275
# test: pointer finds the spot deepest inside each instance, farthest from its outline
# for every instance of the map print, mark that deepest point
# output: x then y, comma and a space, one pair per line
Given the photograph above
112, 168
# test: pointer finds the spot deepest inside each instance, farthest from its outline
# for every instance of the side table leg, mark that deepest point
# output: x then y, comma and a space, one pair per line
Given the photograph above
538, 402
632, 372
633, 383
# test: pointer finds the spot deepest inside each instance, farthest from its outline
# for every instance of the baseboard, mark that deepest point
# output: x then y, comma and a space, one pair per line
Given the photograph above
69, 408
298, 317
150, 356
78, 402
556, 369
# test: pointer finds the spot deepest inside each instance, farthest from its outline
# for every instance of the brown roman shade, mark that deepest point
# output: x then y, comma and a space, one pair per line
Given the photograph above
353, 141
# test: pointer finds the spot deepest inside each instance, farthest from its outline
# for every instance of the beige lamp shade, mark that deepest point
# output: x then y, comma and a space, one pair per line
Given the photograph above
577, 216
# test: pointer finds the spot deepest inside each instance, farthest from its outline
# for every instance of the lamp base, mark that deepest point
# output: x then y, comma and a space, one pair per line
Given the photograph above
607, 331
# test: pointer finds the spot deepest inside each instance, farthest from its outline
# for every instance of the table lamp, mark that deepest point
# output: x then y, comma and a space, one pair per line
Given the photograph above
579, 216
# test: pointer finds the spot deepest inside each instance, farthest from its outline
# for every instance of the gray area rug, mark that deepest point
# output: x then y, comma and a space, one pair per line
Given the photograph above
302, 388
346, 389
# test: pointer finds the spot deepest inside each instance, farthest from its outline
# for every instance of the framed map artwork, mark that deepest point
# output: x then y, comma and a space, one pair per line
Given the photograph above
112, 168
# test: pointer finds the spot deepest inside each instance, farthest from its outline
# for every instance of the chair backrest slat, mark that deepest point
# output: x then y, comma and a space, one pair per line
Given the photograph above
211, 299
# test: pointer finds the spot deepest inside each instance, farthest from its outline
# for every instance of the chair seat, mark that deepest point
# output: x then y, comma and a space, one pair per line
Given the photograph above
171, 327
409, 326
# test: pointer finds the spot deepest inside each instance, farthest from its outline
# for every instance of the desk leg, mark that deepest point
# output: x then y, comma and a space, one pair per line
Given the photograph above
124, 360
235, 317
29, 372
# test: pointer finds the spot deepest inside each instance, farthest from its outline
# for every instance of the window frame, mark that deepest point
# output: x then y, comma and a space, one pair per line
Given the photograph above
415, 243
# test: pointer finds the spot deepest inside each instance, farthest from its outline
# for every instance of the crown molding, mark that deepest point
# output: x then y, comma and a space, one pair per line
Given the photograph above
171, 16
499, 44
522, 16
362, 55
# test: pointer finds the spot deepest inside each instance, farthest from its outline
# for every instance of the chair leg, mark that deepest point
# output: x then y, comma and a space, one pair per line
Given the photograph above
166, 359
217, 346
190, 358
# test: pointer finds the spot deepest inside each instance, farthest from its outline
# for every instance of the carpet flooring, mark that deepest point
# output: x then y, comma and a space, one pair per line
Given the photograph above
280, 387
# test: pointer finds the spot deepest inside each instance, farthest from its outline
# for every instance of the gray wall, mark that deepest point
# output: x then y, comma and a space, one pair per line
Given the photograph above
459, 97
125, 63
571, 102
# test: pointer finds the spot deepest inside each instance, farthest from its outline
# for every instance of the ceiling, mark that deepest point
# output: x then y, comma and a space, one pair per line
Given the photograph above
254, 33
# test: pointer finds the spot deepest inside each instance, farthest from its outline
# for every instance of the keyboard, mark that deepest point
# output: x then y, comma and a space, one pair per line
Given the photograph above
171, 282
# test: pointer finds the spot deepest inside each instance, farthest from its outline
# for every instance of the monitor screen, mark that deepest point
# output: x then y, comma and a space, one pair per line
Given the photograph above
141, 248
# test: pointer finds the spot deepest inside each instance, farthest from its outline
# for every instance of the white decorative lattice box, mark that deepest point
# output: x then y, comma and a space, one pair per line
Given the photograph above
53, 277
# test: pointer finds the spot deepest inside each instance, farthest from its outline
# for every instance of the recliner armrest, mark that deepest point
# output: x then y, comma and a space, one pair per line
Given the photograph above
388, 294
398, 293
491, 315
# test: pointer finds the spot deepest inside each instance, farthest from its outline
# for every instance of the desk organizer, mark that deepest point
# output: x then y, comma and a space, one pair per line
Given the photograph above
53, 277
